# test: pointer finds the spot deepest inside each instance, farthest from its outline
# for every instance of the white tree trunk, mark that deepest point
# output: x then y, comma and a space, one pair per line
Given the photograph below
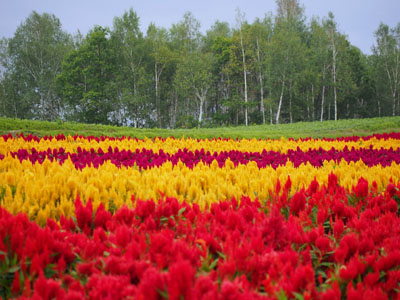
244, 74
260, 77
290, 102
201, 96
334, 53
323, 94
313, 102
280, 103
245, 85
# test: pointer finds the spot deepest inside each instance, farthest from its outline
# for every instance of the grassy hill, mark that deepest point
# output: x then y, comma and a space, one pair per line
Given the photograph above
295, 130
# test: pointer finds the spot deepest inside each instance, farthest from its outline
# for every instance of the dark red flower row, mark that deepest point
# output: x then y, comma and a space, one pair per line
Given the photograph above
61, 137
145, 159
322, 243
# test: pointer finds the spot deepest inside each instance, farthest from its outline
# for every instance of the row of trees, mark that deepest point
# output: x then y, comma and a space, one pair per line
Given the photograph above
278, 69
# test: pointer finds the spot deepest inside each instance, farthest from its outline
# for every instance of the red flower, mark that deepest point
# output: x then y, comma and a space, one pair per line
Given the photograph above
391, 189
48, 289
332, 294
180, 281
323, 243
297, 203
371, 279
229, 291
16, 285
151, 285
322, 215
102, 216
338, 228
303, 278
354, 268
391, 206
354, 293
85, 269
84, 215
123, 236
361, 189
205, 289
332, 181
313, 187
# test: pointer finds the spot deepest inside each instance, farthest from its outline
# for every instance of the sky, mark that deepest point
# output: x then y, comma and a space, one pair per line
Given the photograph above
358, 19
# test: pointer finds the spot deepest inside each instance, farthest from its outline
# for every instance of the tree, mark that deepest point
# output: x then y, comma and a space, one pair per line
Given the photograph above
4, 80
289, 10
185, 36
387, 51
86, 76
240, 23
333, 37
286, 49
193, 78
318, 65
161, 56
185, 39
132, 78
260, 35
36, 52
218, 42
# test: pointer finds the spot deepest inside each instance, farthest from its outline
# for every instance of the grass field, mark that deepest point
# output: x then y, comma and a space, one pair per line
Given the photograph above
339, 128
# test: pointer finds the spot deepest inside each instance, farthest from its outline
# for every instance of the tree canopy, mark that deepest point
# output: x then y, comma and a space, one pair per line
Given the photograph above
282, 68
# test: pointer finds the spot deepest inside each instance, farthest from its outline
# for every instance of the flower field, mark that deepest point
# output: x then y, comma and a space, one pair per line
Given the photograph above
165, 218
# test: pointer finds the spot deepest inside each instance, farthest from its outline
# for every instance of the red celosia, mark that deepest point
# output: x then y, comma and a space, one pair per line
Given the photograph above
361, 190
48, 289
84, 215
180, 280
101, 216
139, 253
323, 244
338, 228
152, 285
297, 203
16, 285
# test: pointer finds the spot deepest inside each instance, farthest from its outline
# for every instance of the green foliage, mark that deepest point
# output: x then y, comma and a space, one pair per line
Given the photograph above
278, 69
85, 78
332, 129
33, 61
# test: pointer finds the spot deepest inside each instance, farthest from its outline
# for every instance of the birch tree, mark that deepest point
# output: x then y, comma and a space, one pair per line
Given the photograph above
333, 41
240, 19
161, 56
387, 50
194, 79
36, 51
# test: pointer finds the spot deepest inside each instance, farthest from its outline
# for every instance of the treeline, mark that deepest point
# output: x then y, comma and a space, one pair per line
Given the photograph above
279, 69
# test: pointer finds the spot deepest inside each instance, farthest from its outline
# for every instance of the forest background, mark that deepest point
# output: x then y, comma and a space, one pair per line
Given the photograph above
282, 68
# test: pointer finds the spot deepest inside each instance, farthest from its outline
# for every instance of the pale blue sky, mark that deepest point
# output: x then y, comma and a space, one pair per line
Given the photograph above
358, 19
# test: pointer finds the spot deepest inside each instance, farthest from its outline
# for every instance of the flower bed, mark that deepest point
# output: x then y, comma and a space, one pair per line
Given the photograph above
198, 225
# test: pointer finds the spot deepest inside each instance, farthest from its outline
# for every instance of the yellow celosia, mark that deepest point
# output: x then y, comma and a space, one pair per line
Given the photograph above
171, 145
49, 190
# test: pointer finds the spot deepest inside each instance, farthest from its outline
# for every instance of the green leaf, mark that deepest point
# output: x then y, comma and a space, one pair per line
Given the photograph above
221, 255
282, 295
181, 211
163, 293
327, 264
298, 296
13, 269
214, 263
